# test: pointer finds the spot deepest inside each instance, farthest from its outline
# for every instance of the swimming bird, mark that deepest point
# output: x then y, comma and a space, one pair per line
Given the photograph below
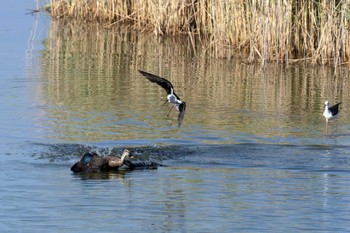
171, 97
330, 112
92, 162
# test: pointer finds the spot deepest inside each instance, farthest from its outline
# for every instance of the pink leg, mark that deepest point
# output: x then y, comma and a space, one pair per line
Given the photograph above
170, 111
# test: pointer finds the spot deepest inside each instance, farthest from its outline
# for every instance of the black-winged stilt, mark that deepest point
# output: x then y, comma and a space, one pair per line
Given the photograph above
171, 97
330, 112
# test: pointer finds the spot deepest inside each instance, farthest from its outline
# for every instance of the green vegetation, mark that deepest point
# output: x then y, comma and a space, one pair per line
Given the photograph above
256, 30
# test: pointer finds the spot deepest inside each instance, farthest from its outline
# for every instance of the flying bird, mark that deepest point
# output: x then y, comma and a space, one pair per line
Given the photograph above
171, 97
330, 112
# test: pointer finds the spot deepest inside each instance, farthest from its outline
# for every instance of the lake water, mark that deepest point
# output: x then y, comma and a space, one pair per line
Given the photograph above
251, 155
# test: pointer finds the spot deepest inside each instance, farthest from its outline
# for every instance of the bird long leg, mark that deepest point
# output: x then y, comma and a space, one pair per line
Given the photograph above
335, 130
326, 128
170, 111
166, 102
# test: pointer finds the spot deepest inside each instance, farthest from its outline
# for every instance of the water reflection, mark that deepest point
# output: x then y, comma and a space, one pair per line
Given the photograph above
94, 91
117, 175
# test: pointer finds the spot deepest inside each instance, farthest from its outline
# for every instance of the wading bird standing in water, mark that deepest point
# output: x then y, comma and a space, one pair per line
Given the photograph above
171, 98
330, 112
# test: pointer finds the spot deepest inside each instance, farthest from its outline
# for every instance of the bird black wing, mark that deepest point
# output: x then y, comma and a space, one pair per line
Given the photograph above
160, 81
182, 109
334, 109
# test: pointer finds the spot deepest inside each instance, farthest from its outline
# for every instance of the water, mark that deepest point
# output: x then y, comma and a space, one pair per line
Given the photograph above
251, 154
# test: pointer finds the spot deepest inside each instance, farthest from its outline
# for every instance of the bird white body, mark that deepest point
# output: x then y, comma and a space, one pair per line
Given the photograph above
172, 99
328, 114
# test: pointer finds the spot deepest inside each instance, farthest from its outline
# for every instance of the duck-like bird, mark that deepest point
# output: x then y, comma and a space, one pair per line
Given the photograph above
92, 162
330, 112
171, 97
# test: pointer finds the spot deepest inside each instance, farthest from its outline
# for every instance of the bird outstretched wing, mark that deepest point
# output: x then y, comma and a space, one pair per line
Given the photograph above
160, 81
182, 110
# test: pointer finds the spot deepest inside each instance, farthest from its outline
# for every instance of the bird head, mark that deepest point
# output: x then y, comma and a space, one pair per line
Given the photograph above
326, 103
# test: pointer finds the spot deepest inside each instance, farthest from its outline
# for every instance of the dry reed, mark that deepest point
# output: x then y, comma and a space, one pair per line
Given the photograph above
258, 30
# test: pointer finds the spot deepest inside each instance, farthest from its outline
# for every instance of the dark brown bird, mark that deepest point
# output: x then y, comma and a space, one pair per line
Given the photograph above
92, 162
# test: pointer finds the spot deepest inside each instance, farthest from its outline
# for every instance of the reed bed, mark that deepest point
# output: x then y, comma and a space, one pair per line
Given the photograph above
256, 30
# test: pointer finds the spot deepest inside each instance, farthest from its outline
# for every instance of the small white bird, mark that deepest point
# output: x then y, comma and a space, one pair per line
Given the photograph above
330, 112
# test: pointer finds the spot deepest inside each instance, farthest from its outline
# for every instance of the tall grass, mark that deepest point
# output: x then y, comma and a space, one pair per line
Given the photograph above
258, 30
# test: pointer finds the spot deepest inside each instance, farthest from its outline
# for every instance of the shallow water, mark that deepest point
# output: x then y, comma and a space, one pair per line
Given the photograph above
251, 154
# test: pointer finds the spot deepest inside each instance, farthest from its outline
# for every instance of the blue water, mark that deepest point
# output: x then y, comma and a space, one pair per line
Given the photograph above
245, 187
251, 155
